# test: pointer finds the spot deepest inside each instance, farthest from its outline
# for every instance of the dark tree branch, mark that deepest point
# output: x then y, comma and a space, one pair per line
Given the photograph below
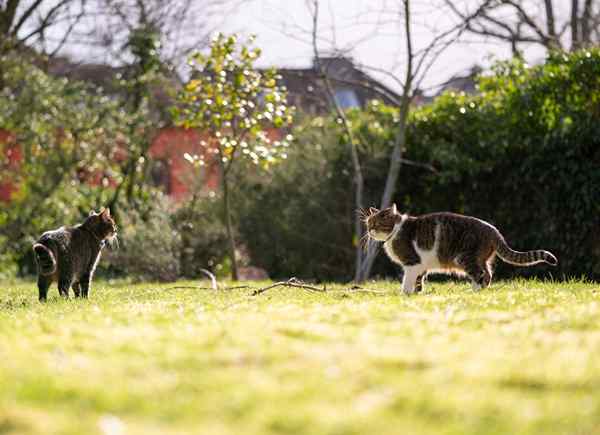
575, 42
25, 16
292, 282
585, 23
356, 165
550, 24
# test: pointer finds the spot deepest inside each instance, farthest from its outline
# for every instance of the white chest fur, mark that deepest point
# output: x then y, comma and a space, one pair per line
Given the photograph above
429, 257
96, 262
387, 246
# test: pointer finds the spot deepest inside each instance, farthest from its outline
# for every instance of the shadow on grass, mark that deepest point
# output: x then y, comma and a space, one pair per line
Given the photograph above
539, 385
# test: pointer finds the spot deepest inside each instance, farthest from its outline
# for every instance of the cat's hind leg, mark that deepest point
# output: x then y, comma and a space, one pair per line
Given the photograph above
43, 285
489, 270
411, 275
420, 282
76, 289
64, 284
476, 270
86, 282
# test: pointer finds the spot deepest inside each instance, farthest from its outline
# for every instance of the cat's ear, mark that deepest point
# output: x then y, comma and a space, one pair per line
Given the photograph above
373, 210
105, 212
92, 213
394, 209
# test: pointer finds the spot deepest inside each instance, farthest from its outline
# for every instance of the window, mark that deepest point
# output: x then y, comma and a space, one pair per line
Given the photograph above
161, 175
346, 98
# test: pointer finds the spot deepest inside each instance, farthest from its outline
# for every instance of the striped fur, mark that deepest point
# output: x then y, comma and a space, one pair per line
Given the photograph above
528, 258
445, 243
45, 259
69, 255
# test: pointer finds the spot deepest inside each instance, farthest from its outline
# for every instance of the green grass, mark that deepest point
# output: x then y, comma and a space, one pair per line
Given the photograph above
522, 357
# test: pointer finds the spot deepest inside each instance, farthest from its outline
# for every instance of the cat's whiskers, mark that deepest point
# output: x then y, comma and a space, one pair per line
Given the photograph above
364, 241
113, 242
362, 213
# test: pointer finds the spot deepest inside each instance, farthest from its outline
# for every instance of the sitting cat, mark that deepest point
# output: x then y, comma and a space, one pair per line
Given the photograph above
444, 242
69, 255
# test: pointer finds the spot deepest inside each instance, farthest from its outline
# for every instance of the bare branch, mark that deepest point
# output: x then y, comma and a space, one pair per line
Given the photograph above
585, 23
575, 42
356, 166
292, 282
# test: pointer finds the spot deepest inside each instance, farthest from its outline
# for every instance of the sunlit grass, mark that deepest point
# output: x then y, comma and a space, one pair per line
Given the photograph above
520, 357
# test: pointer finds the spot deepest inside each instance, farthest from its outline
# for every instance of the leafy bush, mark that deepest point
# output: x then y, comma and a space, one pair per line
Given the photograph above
203, 236
299, 222
149, 244
523, 154
67, 137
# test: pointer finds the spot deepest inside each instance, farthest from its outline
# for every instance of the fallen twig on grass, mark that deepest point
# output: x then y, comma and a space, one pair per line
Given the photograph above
212, 277
237, 287
292, 282
193, 287
213, 283
359, 289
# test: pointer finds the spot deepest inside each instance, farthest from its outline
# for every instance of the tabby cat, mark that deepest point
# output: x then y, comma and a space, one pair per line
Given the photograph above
69, 255
446, 243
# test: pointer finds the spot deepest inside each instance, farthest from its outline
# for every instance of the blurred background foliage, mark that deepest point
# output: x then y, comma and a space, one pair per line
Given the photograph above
523, 153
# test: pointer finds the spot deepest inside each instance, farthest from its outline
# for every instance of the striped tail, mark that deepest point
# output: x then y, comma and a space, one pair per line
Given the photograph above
45, 259
528, 258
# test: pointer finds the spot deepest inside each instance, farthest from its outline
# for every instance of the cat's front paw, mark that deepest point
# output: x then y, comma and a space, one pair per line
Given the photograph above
409, 291
476, 286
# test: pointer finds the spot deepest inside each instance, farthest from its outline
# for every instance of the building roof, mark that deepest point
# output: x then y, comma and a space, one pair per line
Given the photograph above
352, 87
306, 87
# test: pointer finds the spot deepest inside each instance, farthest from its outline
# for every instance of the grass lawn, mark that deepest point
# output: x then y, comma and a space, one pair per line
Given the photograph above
521, 357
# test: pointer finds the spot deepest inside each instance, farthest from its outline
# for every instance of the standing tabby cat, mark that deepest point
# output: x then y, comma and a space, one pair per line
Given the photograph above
69, 255
447, 243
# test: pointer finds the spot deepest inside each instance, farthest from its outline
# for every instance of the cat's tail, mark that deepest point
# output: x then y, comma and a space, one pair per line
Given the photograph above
528, 258
45, 259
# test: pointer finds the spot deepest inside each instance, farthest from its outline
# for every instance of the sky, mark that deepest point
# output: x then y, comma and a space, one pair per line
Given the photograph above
369, 31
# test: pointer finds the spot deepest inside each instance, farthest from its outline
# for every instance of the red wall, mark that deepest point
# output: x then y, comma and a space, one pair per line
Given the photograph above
10, 157
169, 146
172, 143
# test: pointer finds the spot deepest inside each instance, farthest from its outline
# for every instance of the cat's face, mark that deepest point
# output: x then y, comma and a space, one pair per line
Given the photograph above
102, 224
380, 223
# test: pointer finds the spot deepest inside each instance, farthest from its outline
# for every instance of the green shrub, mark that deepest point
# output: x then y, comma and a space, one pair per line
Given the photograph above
149, 243
299, 219
203, 236
523, 154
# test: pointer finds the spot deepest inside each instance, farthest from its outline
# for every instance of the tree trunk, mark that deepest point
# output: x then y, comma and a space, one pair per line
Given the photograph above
356, 166
586, 27
358, 225
227, 217
575, 42
399, 143
550, 24
391, 181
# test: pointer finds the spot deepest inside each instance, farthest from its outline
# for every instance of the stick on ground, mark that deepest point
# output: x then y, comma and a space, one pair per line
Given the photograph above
211, 276
292, 282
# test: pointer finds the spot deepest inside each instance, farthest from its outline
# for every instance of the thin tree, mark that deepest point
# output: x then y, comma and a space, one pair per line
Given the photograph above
547, 23
45, 25
352, 140
181, 26
235, 104
418, 63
